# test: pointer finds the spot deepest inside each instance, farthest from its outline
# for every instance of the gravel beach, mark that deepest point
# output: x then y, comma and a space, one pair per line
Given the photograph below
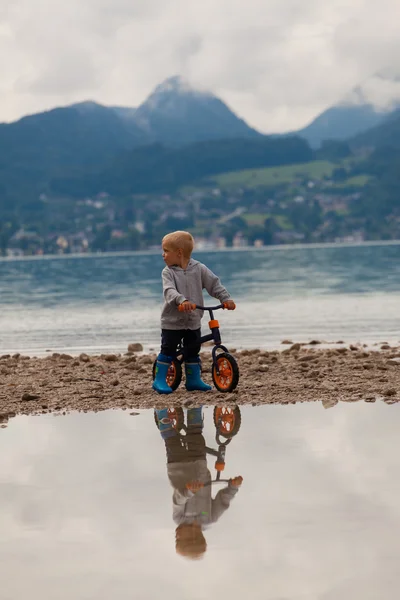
60, 383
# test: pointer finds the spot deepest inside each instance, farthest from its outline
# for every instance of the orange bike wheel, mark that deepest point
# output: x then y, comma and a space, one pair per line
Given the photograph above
228, 377
227, 420
177, 417
174, 374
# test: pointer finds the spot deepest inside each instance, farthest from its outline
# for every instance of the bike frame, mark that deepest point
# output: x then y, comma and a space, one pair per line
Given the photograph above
214, 336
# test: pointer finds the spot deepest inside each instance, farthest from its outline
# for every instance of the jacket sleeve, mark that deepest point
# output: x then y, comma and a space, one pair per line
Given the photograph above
222, 502
171, 294
213, 285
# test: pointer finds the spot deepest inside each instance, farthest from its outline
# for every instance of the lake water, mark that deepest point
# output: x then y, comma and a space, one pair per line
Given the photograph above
102, 303
86, 508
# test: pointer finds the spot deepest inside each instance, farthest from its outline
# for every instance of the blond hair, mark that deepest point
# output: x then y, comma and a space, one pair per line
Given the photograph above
180, 240
191, 546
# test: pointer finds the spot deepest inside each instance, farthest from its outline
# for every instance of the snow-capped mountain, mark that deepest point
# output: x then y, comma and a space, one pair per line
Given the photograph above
365, 106
175, 113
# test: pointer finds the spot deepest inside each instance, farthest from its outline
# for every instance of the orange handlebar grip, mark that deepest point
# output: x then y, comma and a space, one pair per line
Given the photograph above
182, 309
234, 306
219, 466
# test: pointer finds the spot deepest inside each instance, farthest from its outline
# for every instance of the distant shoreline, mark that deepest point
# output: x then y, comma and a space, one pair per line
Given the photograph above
155, 251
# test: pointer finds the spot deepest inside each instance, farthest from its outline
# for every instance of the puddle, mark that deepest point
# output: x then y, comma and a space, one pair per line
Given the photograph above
87, 512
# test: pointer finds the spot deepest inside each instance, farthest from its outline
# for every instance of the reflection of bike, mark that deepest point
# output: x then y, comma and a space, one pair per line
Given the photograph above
225, 370
227, 423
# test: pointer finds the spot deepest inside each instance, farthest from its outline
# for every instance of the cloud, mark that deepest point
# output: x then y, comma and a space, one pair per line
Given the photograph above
277, 64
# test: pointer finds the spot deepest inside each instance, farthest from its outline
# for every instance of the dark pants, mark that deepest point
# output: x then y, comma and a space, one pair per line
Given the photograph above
186, 448
172, 338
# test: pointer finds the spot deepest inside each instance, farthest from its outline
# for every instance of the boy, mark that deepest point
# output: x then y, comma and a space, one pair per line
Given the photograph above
183, 282
193, 506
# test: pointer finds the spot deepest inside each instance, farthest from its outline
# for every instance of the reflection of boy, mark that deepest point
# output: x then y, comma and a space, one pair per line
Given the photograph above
193, 505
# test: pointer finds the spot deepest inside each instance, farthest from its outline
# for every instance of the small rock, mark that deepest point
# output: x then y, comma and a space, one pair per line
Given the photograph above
314, 342
66, 357
314, 374
385, 347
329, 402
390, 392
306, 357
295, 348
145, 360
353, 348
5, 356
340, 342
288, 342
28, 396
135, 347
188, 403
134, 414
110, 357
129, 360
84, 358
131, 366
115, 382
76, 363
16, 356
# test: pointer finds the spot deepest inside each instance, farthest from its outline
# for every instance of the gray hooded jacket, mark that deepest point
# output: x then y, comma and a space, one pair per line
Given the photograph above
201, 507
188, 284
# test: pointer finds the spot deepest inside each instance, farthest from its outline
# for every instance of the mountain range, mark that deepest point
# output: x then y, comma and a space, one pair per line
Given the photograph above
176, 128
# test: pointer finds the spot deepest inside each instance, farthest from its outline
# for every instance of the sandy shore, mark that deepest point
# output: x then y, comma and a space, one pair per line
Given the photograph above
297, 373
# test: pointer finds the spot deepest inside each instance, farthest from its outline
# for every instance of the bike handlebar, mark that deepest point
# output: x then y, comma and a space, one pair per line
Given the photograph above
194, 306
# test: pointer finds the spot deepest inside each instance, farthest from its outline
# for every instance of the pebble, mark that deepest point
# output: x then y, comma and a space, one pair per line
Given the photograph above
390, 392
28, 396
135, 347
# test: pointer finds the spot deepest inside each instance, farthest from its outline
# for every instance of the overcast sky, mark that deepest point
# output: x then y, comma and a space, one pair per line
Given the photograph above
277, 63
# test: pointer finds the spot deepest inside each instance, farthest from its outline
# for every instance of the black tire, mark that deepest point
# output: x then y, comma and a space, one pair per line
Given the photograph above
177, 416
174, 376
227, 420
228, 377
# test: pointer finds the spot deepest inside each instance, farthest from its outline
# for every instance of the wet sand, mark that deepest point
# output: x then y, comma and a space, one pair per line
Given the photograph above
60, 383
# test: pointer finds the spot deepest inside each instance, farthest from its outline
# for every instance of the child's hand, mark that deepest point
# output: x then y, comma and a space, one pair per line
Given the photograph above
236, 481
229, 305
186, 306
194, 486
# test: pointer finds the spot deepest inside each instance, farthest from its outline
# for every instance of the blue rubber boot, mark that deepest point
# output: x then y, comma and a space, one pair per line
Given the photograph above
160, 384
194, 381
165, 424
195, 417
